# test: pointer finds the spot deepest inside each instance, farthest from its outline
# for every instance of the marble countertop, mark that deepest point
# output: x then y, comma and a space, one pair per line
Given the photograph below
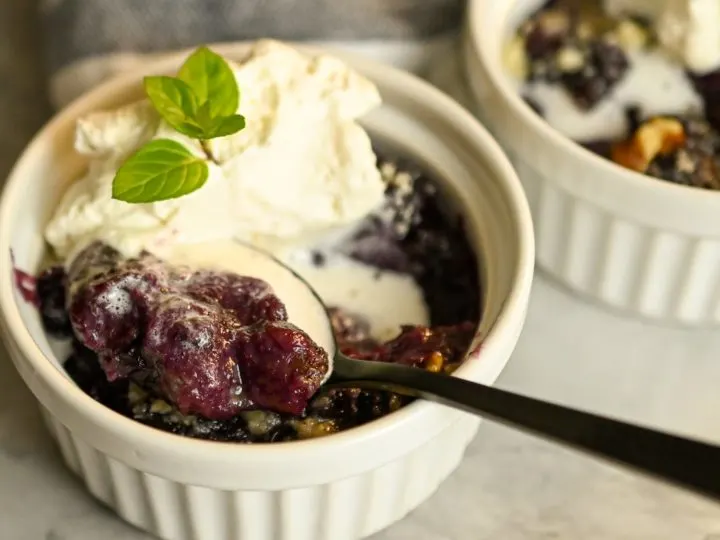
509, 487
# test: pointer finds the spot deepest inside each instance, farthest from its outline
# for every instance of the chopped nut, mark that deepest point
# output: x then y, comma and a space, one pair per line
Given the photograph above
631, 35
655, 137
160, 406
388, 171
569, 59
309, 428
708, 174
177, 418
684, 162
260, 422
434, 364
554, 22
611, 39
515, 58
394, 402
584, 30
136, 394
403, 181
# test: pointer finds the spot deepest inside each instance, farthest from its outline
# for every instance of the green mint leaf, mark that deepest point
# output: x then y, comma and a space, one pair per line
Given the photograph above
175, 101
162, 169
204, 120
226, 125
219, 126
212, 81
201, 103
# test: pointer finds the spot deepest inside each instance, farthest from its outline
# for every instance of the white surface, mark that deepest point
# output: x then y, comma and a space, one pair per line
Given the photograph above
638, 244
509, 487
336, 488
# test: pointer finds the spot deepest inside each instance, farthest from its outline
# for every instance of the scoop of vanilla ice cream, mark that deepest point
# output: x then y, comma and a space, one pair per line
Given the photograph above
301, 167
689, 29
88, 213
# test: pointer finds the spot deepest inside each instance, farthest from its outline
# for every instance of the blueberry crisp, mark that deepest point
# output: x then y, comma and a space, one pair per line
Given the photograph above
211, 355
626, 84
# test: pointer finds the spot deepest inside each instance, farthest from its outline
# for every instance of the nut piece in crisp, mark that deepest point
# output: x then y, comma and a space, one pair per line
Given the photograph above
569, 59
515, 58
657, 136
554, 22
435, 362
631, 36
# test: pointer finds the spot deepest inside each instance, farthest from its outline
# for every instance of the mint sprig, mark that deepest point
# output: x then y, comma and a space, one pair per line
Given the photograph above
162, 169
212, 81
176, 102
201, 103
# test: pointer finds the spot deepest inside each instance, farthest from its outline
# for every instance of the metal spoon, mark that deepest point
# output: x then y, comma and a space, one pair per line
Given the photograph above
686, 463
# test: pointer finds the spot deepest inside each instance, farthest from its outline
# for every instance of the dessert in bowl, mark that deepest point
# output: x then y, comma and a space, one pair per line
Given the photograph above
607, 110
151, 440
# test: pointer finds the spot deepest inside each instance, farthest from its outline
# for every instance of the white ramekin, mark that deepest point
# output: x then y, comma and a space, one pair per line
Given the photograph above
647, 247
345, 486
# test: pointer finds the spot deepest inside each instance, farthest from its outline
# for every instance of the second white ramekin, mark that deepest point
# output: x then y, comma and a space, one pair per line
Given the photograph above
341, 487
647, 247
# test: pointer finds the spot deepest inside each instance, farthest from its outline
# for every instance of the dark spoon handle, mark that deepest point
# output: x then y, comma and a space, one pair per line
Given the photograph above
690, 464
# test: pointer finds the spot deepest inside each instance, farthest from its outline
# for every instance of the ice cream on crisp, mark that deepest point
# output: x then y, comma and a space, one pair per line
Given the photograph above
689, 29
301, 167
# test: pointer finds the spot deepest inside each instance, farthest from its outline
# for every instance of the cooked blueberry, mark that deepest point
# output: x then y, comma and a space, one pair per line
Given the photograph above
105, 315
189, 345
83, 367
605, 66
250, 299
549, 29
91, 261
283, 367
708, 86
50, 289
601, 147
633, 117
318, 258
192, 333
430, 348
417, 237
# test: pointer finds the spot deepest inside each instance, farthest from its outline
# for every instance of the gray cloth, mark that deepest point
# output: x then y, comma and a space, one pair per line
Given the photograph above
23, 103
77, 29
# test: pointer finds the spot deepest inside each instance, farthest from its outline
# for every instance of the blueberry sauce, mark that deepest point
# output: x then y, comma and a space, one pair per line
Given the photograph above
25, 283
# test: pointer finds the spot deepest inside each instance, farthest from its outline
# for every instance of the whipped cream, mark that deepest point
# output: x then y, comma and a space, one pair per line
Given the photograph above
302, 167
689, 29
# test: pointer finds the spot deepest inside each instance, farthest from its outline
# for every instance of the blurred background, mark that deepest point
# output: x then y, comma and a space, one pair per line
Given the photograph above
24, 104
52, 50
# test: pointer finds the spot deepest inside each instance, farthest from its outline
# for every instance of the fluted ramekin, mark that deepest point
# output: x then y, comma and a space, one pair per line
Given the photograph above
647, 247
341, 487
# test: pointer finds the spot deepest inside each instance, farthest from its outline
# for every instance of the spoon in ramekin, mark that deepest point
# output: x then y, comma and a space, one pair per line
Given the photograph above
684, 462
